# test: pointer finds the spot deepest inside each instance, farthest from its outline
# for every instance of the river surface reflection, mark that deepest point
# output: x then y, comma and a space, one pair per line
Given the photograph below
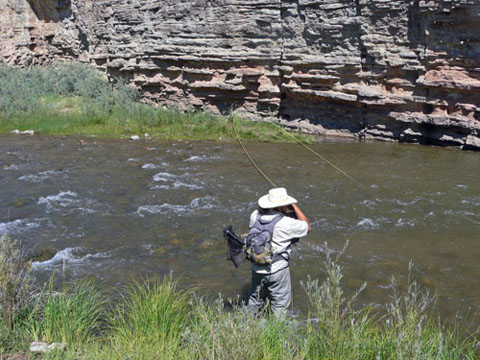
118, 209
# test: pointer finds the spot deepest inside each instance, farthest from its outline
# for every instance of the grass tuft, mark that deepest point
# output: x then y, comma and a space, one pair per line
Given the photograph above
74, 314
150, 320
15, 281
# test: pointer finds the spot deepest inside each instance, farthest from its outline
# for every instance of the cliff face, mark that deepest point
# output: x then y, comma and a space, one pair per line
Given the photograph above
405, 70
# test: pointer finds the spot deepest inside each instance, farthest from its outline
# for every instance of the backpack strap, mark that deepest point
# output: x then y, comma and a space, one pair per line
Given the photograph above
278, 257
270, 226
274, 222
267, 224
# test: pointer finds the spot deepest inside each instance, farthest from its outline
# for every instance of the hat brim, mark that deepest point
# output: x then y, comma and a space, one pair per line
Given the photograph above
264, 203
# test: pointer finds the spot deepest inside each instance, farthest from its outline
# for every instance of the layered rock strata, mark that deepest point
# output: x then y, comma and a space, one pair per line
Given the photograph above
405, 70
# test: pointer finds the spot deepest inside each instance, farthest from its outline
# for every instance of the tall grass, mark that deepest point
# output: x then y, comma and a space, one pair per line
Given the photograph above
336, 329
217, 333
157, 319
150, 320
76, 99
74, 314
15, 281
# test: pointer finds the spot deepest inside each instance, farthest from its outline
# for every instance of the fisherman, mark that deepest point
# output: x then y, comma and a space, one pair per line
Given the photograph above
272, 281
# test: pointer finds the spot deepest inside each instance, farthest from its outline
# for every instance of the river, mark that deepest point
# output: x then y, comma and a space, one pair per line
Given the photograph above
117, 210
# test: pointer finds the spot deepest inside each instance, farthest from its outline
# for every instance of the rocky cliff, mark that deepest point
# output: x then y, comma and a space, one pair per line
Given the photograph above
405, 70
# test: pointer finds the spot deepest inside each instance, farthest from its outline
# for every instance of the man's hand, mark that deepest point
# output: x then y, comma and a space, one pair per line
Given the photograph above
301, 215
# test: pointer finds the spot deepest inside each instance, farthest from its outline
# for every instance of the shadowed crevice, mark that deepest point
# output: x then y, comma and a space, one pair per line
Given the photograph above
51, 10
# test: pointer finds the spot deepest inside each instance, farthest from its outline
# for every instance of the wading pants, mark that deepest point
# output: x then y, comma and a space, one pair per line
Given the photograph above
276, 287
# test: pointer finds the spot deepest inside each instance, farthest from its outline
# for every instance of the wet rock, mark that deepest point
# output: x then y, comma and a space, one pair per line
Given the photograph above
204, 244
42, 254
22, 202
175, 242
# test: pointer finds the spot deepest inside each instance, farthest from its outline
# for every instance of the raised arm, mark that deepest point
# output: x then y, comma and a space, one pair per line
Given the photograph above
301, 216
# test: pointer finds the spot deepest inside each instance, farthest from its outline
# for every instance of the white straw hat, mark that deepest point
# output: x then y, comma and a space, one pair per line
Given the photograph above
275, 198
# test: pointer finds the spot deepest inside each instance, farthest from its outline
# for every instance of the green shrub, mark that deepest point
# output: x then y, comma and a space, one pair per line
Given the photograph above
21, 90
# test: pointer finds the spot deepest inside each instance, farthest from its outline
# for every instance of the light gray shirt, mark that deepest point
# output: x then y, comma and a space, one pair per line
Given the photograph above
283, 233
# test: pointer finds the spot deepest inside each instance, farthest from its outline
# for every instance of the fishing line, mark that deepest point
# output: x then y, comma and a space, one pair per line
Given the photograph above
321, 157
265, 177
299, 142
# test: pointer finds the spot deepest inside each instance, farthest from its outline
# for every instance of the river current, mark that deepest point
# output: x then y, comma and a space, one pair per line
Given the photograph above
117, 210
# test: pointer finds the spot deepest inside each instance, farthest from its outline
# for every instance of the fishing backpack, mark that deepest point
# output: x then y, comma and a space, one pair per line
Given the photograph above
258, 243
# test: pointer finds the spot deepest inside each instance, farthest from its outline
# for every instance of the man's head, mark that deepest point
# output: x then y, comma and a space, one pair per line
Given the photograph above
278, 199
284, 209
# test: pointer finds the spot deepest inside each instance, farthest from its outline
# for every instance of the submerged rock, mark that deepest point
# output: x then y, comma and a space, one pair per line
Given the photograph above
42, 254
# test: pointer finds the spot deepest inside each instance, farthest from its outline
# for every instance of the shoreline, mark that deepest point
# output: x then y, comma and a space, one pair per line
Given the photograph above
156, 318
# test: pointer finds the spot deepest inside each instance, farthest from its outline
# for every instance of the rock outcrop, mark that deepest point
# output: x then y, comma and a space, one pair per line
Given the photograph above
405, 70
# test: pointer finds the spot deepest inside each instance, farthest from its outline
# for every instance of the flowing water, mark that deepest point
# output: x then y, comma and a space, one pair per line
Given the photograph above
119, 210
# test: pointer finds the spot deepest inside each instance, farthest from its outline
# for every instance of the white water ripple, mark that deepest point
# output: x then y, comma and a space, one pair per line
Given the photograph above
367, 223
202, 203
69, 201
17, 226
197, 158
163, 177
70, 255
151, 166
41, 176
179, 184
11, 167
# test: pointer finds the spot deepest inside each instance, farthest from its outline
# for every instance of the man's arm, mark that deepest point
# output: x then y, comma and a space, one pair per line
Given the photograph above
301, 216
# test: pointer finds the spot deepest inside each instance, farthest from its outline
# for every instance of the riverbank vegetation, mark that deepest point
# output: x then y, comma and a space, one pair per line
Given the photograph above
77, 100
158, 319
